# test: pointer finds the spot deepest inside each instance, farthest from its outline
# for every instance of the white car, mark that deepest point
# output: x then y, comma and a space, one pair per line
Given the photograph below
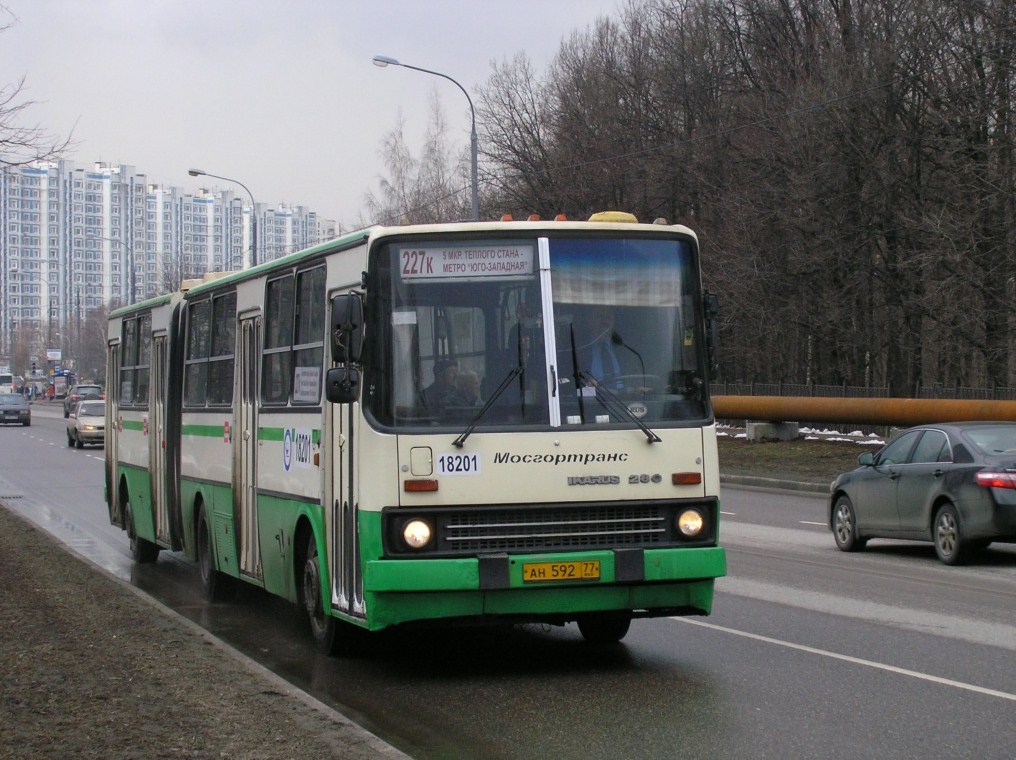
87, 424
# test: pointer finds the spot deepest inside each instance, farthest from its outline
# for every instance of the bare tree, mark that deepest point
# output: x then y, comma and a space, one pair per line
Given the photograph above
22, 144
433, 187
850, 166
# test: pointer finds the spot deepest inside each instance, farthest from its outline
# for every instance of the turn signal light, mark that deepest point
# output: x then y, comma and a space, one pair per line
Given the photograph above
686, 478
415, 486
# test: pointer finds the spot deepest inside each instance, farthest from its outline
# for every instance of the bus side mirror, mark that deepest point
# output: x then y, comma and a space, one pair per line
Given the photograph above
342, 385
712, 307
346, 328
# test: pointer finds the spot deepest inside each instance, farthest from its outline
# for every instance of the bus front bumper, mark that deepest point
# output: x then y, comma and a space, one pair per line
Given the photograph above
534, 587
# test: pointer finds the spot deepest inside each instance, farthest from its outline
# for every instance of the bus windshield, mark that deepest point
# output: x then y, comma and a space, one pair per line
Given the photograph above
606, 332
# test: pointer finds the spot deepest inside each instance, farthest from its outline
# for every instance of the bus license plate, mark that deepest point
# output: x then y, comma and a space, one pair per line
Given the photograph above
586, 570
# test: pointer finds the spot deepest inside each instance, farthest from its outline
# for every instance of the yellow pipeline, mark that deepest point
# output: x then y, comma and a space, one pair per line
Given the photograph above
902, 412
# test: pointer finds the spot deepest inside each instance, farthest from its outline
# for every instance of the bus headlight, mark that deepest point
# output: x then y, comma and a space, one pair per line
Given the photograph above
417, 533
690, 522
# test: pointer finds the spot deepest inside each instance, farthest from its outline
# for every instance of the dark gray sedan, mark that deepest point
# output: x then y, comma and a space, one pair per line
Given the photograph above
951, 484
14, 409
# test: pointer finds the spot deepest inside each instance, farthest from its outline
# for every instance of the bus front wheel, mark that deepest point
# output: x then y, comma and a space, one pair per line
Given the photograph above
331, 635
604, 627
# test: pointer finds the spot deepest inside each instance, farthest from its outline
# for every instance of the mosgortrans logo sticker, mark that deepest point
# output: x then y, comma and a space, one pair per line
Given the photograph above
297, 449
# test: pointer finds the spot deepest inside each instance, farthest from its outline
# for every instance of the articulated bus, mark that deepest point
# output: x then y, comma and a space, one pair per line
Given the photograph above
463, 423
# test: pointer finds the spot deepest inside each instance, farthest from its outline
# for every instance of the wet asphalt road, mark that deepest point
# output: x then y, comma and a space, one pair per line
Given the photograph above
809, 652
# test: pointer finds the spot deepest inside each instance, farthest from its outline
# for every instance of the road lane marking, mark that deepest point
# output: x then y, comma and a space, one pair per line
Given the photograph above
854, 660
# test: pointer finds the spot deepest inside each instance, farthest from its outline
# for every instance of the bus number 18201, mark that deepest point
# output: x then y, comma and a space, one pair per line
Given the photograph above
458, 464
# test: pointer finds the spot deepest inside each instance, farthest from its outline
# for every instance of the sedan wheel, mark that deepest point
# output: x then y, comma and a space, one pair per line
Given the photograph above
950, 545
845, 526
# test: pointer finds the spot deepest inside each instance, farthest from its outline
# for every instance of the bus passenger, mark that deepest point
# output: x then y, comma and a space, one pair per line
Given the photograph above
443, 391
468, 388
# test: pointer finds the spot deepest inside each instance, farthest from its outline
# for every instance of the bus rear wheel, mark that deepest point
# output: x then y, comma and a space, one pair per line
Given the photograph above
604, 627
331, 635
215, 585
143, 551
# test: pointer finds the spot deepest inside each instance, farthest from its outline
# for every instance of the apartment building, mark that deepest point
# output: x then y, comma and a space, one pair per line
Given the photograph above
76, 240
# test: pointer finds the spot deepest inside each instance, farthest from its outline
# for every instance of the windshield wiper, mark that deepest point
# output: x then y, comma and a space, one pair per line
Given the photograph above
512, 374
616, 404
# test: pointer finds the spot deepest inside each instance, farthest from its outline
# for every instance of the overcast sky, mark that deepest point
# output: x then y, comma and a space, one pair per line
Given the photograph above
279, 94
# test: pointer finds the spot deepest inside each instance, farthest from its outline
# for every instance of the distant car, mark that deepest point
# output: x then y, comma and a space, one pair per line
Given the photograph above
951, 484
14, 408
87, 423
78, 393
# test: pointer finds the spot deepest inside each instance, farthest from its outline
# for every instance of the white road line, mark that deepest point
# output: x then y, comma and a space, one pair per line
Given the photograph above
854, 660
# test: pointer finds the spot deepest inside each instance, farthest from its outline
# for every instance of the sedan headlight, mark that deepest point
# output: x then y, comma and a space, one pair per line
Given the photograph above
417, 533
690, 522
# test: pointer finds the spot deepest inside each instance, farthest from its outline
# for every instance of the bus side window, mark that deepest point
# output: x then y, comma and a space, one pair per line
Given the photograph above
199, 339
223, 346
128, 358
277, 361
309, 341
144, 360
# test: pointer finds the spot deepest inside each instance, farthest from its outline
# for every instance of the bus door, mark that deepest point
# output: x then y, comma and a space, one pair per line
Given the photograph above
113, 432
245, 441
157, 439
344, 549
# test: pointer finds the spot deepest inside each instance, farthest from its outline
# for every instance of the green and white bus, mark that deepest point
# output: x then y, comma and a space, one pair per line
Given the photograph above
454, 424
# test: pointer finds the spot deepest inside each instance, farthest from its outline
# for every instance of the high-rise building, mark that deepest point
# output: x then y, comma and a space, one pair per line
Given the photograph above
77, 240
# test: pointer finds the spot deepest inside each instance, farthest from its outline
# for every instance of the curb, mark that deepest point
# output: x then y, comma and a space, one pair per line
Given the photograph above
776, 484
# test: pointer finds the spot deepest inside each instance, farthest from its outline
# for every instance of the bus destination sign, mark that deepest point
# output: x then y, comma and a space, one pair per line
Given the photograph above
501, 260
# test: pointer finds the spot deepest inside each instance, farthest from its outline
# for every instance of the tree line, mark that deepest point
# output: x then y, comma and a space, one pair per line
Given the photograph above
848, 166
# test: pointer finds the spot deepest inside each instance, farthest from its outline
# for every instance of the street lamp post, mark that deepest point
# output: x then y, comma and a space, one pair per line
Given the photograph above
384, 60
253, 210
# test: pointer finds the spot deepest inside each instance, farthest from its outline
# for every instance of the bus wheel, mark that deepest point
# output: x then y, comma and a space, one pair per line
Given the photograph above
331, 635
604, 627
215, 585
143, 551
